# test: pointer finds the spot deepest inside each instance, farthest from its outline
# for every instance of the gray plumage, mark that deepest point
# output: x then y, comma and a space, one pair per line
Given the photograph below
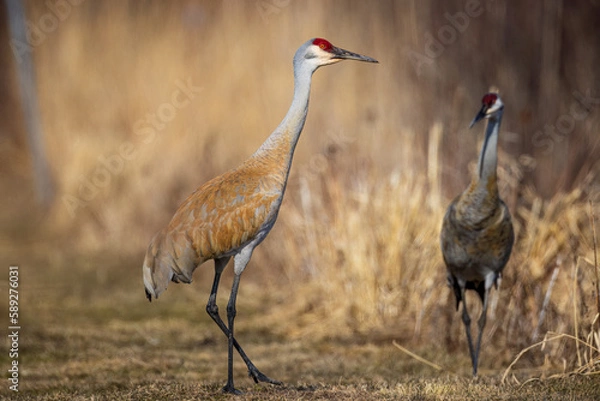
477, 233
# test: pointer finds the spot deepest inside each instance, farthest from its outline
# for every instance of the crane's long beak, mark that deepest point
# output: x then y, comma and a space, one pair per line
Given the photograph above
479, 116
341, 54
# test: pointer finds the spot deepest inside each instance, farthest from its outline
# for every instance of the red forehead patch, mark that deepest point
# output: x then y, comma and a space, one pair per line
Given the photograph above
489, 99
323, 44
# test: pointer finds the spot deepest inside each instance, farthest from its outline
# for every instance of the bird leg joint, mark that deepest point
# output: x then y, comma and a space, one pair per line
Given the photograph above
211, 307
231, 312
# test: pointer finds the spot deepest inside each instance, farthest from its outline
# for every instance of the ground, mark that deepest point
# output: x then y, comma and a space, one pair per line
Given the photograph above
93, 335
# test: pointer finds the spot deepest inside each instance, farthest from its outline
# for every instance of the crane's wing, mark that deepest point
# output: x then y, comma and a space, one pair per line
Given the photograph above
217, 220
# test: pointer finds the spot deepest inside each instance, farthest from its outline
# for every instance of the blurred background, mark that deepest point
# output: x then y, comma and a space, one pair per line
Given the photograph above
140, 102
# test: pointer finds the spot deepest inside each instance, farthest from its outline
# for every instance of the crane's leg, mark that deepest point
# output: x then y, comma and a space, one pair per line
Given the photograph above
231, 312
211, 308
467, 321
213, 311
481, 324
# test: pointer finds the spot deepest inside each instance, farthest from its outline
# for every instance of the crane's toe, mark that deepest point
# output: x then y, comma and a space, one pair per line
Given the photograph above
229, 389
258, 376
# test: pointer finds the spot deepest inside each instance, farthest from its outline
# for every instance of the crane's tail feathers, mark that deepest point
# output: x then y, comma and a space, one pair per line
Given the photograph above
167, 259
156, 275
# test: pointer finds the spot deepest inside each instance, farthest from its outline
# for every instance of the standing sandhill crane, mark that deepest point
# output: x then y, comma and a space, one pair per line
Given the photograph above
477, 234
231, 214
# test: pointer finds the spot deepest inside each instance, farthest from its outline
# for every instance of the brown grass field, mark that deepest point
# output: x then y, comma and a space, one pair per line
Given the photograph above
347, 297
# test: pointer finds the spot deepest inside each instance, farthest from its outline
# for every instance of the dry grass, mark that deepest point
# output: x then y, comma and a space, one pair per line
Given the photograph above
77, 343
353, 262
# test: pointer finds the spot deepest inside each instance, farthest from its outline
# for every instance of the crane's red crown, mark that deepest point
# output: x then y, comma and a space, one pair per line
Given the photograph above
489, 99
323, 44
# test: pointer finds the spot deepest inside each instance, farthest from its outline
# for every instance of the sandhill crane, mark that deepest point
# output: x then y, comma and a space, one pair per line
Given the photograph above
231, 214
477, 234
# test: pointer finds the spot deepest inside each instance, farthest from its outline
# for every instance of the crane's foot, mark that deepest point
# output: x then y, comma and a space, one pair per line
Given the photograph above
257, 376
229, 389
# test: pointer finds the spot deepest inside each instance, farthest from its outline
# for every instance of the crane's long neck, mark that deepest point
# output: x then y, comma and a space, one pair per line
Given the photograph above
488, 158
279, 146
481, 199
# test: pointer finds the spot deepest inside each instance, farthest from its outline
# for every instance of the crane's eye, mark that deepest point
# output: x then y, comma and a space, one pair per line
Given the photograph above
323, 44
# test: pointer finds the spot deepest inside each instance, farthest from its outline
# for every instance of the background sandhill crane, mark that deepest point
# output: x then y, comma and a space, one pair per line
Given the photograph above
477, 234
231, 214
